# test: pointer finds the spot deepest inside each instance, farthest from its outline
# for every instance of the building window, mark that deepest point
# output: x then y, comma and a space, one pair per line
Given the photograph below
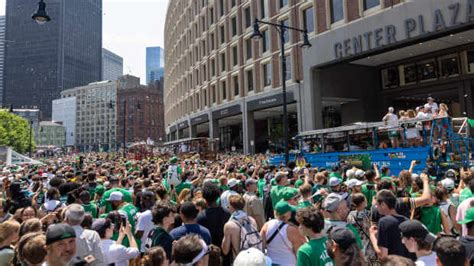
234, 26
223, 90
248, 17
211, 15
213, 93
236, 85
248, 48
222, 31
286, 22
283, 3
449, 66
212, 41
410, 73
233, 3
249, 76
308, 19
205, 97
337, 10
221, 8
265, 44
234, 56
368, 4
263, 9
288, 67
213, 67
427, 70
390, 78
470, 61
267, 74
223, 62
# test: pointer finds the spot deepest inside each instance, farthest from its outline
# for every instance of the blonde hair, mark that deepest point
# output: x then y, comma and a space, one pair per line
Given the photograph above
183, 194
411, 113
443, 106
8, 228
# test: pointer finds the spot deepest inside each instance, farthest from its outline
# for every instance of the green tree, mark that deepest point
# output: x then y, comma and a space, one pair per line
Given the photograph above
15, 132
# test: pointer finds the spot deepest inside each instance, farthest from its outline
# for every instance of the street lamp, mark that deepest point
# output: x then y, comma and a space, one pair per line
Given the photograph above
31, 137
282, 29
40, 16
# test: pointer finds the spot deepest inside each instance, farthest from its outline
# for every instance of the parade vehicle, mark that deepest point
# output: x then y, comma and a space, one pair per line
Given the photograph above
439, 144
189, 147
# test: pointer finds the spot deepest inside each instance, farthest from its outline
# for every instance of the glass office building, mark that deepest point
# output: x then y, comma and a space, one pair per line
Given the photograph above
43, 60
155, 63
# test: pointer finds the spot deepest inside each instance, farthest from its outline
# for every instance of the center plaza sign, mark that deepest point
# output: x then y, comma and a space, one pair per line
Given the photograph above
449, 14
270, 101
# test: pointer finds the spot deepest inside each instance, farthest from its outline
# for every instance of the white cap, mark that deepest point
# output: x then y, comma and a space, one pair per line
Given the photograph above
359, 173
447, 183
414, 176
350, 173
354, 182
232, 182
115, 196
334, 181
252, 257
44, 175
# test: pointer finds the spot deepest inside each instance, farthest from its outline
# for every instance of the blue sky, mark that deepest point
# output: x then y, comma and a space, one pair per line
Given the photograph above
129, 26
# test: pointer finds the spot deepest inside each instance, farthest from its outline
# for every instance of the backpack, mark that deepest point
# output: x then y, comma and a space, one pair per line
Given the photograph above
249, 235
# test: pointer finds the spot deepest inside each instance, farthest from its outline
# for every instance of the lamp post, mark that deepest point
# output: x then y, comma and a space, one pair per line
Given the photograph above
282, 29
31, 137
40, 15
109, 139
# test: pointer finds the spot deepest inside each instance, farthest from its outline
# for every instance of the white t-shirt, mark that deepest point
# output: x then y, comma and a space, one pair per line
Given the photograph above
392, 119
144, 224
117, 254
426, 260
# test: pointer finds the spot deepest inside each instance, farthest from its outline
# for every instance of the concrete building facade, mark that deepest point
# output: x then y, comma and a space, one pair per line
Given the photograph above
112, 65
95, 127
366, 55
50, 134
64, 112
2, 55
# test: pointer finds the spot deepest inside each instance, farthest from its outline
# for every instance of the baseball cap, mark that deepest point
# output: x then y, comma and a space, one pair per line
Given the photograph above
99, 189
343, 237
174, 159
469, 217
279, 175
354, 182
332, 201
448, 183
334, 181
250, 181
414, 228
289, 193
451, 173
282, 207
252, 257
359, 173
115, 196
57, 232
99, 224
350, 173
233, 182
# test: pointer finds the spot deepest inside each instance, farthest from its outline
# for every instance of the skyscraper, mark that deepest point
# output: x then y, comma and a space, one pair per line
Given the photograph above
112, 65
155, 63
2, 55
43, 60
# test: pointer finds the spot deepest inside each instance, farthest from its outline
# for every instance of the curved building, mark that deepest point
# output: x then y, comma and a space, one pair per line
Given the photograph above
366, 55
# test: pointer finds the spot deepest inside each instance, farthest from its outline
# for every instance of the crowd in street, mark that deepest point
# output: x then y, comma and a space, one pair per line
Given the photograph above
102, 209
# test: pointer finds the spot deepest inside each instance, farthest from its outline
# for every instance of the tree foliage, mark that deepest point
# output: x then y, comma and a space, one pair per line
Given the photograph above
15, 132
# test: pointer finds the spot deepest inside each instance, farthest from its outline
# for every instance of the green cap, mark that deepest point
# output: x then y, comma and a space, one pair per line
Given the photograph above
469, 217
289, 193
174, 159
282, 207
128, 163
99, 189
273, 182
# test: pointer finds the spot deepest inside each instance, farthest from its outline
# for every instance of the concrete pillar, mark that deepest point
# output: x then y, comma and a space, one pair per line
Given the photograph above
213, 127
248, 123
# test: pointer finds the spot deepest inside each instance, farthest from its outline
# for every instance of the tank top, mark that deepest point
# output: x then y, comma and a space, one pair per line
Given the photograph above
280, 250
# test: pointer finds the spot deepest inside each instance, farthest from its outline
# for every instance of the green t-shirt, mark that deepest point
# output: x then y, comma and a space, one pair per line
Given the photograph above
127, 197
91, 208
298, 183
465, 194
131, 211
304, 204
261, 186
275, 194
369, 194
224, 188
179, 187
431, 218
314, 253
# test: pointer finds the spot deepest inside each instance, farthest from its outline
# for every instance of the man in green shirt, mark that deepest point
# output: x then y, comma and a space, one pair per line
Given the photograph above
89, 207
466, 193
313, 252
126, 209
281, 179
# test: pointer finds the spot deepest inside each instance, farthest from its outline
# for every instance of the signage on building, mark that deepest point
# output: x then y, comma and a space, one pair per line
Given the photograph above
200, 119
183, 124
270, 101
450, 15
226, 112
173, 128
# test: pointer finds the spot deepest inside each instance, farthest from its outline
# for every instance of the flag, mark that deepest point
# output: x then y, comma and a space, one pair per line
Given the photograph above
470, 122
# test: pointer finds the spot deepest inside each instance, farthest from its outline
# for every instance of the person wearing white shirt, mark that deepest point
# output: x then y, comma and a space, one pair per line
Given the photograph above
391, 119
417, 239
114, 252
431, 106
143, 227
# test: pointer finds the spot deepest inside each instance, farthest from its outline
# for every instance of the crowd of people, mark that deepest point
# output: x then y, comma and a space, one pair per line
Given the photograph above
102, 209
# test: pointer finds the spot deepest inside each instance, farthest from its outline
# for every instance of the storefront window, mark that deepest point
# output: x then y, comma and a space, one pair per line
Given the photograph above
390, 77
449, 66
410, 73
427, 70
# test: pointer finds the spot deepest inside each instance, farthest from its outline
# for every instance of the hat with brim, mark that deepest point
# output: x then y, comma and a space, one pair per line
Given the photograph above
282, 207
115, 196
415, 229
343, 237
289, 193
332, 201
354, 183
469, 217
58, 232
174, 159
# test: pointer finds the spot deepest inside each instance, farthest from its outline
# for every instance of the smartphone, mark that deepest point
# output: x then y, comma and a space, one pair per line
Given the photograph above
124, 221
